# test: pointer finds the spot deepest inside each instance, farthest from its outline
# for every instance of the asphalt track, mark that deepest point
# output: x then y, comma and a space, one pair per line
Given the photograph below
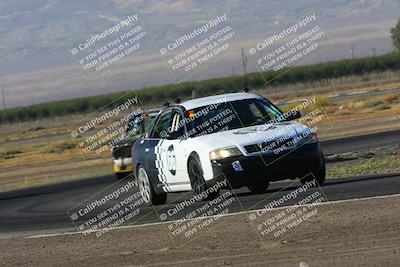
45, 208
363, 142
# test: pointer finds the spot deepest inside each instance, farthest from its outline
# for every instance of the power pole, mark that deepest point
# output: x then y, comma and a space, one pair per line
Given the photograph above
352, 51
374, 51
3, 99
244, 60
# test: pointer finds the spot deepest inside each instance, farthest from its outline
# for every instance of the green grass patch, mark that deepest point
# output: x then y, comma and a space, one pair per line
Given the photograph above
382, 107
390, 164
35, 129
59, 148
10, 153
373, 103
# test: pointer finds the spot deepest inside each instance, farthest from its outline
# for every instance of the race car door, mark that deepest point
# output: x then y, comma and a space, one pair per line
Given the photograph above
172, 157
149, 148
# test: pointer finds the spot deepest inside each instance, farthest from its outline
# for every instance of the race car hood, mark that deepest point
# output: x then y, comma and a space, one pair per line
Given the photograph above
127, 141
122, 149
253, 135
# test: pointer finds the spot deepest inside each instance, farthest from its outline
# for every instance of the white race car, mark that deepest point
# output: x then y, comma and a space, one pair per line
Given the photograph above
240, 138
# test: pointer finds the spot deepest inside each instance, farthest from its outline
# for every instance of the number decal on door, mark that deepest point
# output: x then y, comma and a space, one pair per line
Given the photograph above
171, 159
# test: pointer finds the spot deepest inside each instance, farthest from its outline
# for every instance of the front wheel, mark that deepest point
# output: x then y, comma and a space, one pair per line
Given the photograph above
199, 185
149, 196
319, 175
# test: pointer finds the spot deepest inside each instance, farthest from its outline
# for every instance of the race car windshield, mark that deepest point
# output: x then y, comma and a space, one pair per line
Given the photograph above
230, 115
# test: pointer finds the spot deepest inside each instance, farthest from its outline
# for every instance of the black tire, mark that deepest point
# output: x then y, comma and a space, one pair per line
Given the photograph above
149, 196
320, 175
197, 180
258, 187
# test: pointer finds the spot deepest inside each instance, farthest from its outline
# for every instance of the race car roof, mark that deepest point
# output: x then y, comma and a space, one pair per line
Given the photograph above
153, 112
205, 101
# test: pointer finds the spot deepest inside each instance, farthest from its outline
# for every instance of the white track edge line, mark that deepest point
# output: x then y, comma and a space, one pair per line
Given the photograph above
213, 216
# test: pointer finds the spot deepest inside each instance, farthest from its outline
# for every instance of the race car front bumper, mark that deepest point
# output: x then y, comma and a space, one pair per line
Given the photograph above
122, 165
246, 170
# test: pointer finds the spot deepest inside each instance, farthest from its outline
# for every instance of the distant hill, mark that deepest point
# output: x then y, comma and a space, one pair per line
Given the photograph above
36, 37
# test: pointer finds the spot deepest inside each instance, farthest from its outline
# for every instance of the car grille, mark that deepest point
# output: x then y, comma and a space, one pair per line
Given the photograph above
269, 146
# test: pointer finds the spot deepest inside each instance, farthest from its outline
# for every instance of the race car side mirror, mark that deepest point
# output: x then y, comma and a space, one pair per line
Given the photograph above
294, 115
175, 134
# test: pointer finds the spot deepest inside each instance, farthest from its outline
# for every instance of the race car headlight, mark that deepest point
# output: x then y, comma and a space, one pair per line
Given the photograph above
225, 153
311, 138
118, 162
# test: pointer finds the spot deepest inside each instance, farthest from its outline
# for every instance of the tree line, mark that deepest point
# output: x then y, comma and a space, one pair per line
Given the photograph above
166, 93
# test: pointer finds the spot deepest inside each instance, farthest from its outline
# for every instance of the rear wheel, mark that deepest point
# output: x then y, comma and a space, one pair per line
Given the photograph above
258, 187
197, 180
149, 196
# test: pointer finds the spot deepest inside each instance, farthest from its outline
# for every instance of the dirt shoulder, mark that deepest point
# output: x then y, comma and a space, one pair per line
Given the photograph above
356, 233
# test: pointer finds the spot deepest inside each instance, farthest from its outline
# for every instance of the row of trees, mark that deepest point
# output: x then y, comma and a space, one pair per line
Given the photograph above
167, 93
